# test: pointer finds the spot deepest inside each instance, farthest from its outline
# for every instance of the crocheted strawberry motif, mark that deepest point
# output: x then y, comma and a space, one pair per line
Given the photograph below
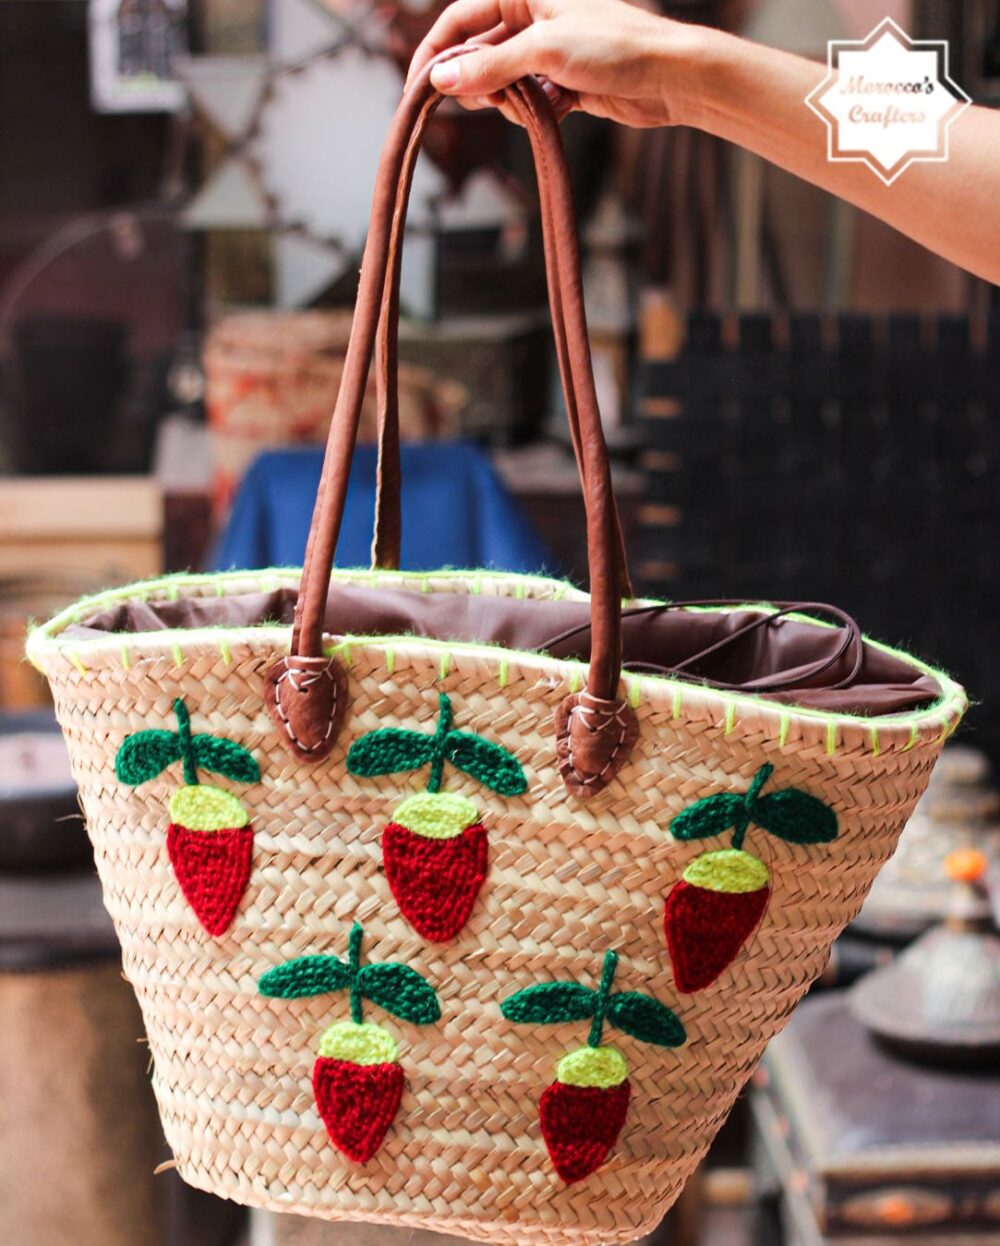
358, 1102
582, 1112
357, 1079
209, 839
581, 1122
721, 896
435, 848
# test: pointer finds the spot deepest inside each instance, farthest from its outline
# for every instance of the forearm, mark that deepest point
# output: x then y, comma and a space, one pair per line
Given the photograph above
621, 61
755, 97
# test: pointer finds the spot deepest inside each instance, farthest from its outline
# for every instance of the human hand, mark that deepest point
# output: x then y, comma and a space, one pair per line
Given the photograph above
604, 57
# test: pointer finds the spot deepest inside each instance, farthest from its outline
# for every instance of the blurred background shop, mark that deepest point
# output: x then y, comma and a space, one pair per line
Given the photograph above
801, 404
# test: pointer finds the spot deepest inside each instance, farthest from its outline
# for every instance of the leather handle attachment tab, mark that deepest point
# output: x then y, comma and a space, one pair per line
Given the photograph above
306, 692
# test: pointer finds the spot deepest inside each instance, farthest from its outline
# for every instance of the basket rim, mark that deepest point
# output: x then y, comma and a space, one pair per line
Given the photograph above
46, 640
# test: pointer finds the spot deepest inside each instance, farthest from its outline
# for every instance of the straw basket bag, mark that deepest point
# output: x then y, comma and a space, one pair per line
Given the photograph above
438, 914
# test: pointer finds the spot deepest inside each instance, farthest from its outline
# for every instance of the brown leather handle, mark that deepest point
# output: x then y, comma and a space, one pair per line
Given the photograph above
388, 515
385, 552
594, 728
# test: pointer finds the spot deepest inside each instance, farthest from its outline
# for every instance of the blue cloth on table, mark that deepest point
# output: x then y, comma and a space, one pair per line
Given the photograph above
456, 513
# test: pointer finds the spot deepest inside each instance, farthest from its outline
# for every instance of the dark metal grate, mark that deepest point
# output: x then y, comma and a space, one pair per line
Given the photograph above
851, 459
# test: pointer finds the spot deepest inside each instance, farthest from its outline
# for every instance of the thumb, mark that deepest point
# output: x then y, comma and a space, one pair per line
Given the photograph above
488, 68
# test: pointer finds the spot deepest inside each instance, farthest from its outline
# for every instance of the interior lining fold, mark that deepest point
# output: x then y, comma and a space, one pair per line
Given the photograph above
786, 648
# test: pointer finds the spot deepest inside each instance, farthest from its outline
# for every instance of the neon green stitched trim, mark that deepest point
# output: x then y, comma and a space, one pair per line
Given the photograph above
785, 722
44, 639
677, 703
831, 739
876, 746
390, 660
225, 651
634, 693
173, 592
954, 701
286, 577
575, 679
444, 665
914, 736
77, 661
126, 656
502, 672
177, 654
730, 719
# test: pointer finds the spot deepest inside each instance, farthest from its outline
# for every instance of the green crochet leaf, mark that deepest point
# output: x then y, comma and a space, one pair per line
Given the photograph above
146, 754
490, 763
646, 1019
389, 750
306, 975
550, 1002
400, 990
710, 816
225, 757
795, 817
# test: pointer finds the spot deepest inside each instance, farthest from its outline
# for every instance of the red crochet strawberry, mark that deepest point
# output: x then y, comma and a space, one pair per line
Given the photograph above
435, 849
581, 1119
357, 1078
721, 896
209, 840
582, 1112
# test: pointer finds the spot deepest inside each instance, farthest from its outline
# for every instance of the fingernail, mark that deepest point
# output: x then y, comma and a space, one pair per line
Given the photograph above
552, 92
445, 75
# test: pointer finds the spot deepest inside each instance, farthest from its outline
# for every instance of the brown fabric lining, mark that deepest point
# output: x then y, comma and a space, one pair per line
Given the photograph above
884, 684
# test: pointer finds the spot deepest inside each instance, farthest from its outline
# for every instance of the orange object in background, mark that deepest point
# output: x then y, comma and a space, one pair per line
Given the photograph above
966, 865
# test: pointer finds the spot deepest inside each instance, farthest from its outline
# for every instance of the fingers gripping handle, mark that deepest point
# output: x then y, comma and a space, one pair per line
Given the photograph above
305, 694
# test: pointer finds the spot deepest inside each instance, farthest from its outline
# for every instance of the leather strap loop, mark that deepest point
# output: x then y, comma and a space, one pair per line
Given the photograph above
758, 618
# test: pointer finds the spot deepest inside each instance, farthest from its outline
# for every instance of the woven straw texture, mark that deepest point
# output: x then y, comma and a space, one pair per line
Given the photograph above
567, 879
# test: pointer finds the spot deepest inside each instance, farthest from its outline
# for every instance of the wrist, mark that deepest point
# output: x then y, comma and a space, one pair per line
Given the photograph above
698, 64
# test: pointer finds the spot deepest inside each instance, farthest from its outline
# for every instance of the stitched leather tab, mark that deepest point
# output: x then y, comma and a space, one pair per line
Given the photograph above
593, 740
307, 699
